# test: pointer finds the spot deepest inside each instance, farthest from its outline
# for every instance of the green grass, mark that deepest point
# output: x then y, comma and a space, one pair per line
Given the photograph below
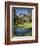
25, 25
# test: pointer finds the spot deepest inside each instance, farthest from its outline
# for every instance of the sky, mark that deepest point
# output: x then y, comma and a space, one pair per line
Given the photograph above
23, 10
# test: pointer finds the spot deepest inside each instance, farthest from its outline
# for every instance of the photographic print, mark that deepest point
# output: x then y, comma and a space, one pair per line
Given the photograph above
22, 22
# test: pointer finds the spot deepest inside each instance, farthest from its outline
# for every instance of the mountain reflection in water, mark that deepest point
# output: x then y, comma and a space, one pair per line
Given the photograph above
22, 31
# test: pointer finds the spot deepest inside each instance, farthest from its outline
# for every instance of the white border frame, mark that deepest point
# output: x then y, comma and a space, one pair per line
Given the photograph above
33, 25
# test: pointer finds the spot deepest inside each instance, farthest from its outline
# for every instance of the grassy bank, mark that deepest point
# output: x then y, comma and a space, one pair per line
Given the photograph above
25, 25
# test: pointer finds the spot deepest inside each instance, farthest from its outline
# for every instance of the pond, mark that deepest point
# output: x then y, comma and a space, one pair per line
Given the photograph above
23, 32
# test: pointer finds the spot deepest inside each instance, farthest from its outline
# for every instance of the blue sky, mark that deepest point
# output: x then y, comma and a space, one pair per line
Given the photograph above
23, 10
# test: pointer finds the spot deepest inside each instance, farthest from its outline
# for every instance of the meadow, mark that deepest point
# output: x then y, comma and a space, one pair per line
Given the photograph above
25, 25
